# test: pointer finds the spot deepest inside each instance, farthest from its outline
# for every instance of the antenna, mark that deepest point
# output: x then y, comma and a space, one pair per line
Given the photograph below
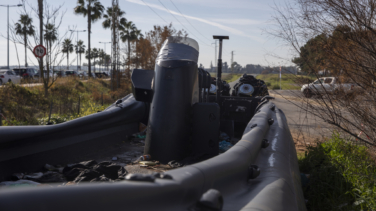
219, 66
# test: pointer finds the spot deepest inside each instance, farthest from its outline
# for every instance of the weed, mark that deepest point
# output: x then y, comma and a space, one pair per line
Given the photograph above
276, 86
288, 81
29, 105
342, 176
86, 110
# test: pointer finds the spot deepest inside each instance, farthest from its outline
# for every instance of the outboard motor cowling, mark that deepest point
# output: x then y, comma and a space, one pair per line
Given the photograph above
175, 89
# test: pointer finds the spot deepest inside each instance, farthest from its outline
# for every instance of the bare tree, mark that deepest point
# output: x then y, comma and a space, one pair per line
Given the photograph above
52, 18
345, 36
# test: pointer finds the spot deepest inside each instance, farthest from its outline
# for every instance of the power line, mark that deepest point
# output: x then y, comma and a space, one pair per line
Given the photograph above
182, 24
188, 21
154, 11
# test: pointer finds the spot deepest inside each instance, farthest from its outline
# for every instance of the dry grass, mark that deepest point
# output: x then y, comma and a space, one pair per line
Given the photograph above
25, 105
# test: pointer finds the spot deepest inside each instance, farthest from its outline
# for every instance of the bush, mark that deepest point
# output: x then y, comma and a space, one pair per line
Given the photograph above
342, 176
29, 106
87, 109
275, 86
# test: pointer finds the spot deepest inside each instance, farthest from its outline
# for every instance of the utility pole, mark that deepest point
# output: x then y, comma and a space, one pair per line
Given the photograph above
232, 61
18, 5
115, 45
215, 54
106, 54
77, 44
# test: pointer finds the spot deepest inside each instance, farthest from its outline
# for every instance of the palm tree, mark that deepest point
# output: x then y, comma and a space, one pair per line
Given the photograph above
128, 33
67, 48
139, 36
95, 55
107, 23
101, 55
50, 35
24, 27
80, 48
93, 10
107, 59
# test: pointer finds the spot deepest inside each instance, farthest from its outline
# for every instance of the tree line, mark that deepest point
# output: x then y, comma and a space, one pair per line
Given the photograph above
140, 52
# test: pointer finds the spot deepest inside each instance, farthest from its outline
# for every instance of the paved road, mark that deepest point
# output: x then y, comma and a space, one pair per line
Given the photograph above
299, 121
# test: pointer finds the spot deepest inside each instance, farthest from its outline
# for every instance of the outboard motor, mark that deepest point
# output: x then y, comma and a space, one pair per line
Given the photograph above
175, 90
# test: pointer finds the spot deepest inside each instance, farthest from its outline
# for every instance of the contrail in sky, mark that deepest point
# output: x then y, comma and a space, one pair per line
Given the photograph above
223, 27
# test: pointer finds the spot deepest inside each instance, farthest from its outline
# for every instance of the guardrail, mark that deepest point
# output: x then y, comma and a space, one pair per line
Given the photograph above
27, 148
249, 176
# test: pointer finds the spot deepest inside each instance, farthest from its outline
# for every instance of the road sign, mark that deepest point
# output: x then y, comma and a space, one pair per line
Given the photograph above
39, 51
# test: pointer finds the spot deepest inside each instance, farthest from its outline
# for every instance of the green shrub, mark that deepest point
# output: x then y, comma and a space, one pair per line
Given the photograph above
87, 109
275, 86
342, 176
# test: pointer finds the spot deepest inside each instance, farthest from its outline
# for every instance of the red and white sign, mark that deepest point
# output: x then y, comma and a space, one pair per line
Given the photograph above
39, 51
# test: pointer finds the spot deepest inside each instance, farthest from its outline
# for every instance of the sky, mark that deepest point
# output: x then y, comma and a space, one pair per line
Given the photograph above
244, 21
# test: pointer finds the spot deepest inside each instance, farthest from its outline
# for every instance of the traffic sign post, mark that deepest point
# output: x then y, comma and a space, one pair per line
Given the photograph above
39, 51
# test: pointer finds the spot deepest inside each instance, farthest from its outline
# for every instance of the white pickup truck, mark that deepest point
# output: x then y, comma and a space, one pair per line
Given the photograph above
327, 85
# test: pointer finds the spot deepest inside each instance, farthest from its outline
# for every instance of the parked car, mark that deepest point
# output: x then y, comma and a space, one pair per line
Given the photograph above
329, 85
9, 76
92, 75
60, 73
101, 75
83, 75
52, 74
71, 73
27, 72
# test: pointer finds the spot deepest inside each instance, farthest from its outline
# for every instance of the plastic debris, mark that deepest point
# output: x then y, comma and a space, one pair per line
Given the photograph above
224, 137
17, 176
138, 142
143, 158
140, 136
148, 163
51, 176
58, 168
72, 174
114, 158
100, 172
50, 167
34, 176
19, 183
224, 146
101, 179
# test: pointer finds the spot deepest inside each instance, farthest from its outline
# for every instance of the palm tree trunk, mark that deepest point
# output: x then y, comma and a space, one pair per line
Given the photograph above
129, 59
50, 56
48, 66
68, 60
112, 61
89, 30
136, 54
25, 51
129, 55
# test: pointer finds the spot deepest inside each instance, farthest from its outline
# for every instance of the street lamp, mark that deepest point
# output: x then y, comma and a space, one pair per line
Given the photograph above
105, 50
77, 42
18, 5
